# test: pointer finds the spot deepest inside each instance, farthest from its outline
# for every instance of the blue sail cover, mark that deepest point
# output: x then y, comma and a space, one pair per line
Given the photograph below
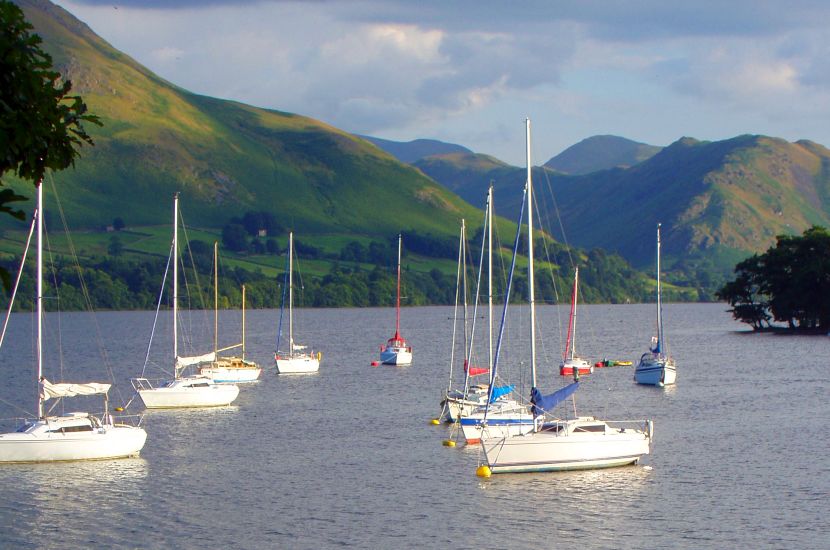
542, 403
498, 391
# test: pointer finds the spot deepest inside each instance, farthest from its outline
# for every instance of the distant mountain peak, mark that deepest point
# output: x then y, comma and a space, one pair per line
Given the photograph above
415, 150
601, 153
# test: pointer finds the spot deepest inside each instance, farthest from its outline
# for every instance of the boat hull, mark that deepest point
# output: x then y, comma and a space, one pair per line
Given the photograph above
233, 373
503, 420
457, 407
181, 394
545, 451
304, 364
52, 445
583, 366
655, 372
395, 357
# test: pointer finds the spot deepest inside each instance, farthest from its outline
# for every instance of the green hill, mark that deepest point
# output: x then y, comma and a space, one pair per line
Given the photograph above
224, 157
719, 202
345, 197
412, 151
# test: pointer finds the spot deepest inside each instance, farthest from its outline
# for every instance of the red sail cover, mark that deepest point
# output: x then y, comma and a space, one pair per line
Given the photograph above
478, 370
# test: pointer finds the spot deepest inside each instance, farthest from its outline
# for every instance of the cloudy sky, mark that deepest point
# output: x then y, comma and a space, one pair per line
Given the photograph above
470, 71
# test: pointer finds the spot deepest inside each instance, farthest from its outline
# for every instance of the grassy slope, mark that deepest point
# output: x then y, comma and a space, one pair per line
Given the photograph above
224, 157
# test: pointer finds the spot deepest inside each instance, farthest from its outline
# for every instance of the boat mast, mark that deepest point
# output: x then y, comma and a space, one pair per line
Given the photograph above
490, 275
659, 298
570, 343
455, 313
215, 299
576, 297
175, 284
39, 215
398, 299
291, 294
531, 293
243, 322
464, 290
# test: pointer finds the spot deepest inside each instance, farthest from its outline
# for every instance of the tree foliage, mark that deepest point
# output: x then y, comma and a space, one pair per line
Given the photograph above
789, 283
41, 124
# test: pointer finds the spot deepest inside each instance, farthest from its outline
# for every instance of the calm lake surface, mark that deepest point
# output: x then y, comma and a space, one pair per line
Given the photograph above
347, 457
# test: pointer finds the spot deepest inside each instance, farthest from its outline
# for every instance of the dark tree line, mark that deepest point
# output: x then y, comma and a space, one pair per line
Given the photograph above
789, 283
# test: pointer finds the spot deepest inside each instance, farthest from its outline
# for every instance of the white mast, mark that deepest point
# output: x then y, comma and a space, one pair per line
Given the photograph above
291, 294
464, 289
175, 284
39, 283
659, 298
243, 322
490, 275
531, 293
215, 299
573, 321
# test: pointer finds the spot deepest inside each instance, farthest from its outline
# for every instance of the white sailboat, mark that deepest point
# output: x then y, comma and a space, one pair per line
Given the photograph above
656, 367
578, 443
75, 435
499, 415
228, 369
467, 406
464, 400
397, 350
571, 361
183, 391
298, 359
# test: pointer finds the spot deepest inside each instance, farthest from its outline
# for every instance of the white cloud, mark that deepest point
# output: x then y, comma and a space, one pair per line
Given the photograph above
470, 70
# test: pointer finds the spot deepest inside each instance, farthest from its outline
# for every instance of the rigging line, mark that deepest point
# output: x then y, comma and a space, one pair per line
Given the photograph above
189, 335
569, 251
158, 307
18, 407
99, 339
470, 354
504, 309
455, 311
200, 290
549, 267
19, 275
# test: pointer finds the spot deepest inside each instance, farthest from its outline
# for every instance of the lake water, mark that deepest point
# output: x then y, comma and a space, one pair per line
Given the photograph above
347, 457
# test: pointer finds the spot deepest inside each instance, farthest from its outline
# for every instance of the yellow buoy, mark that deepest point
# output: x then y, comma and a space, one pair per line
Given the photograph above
434, 422
483, 471
119, 409
449, 443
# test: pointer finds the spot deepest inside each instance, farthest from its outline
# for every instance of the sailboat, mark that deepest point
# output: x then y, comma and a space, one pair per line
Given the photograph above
228, 369
298, 359
461, 401
183, 391
397, 350
571, 361
75, 435
583, 442
499, 415
656, 367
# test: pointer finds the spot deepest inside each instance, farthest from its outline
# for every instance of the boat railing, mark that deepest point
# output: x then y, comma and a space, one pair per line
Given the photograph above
141, 384
132, 420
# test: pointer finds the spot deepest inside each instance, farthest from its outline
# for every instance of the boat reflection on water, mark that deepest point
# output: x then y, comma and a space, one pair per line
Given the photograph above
578, 501
46, 503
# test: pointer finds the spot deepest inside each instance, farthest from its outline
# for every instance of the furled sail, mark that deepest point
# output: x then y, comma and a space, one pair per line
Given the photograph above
49, 390
542, 403
182, 362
